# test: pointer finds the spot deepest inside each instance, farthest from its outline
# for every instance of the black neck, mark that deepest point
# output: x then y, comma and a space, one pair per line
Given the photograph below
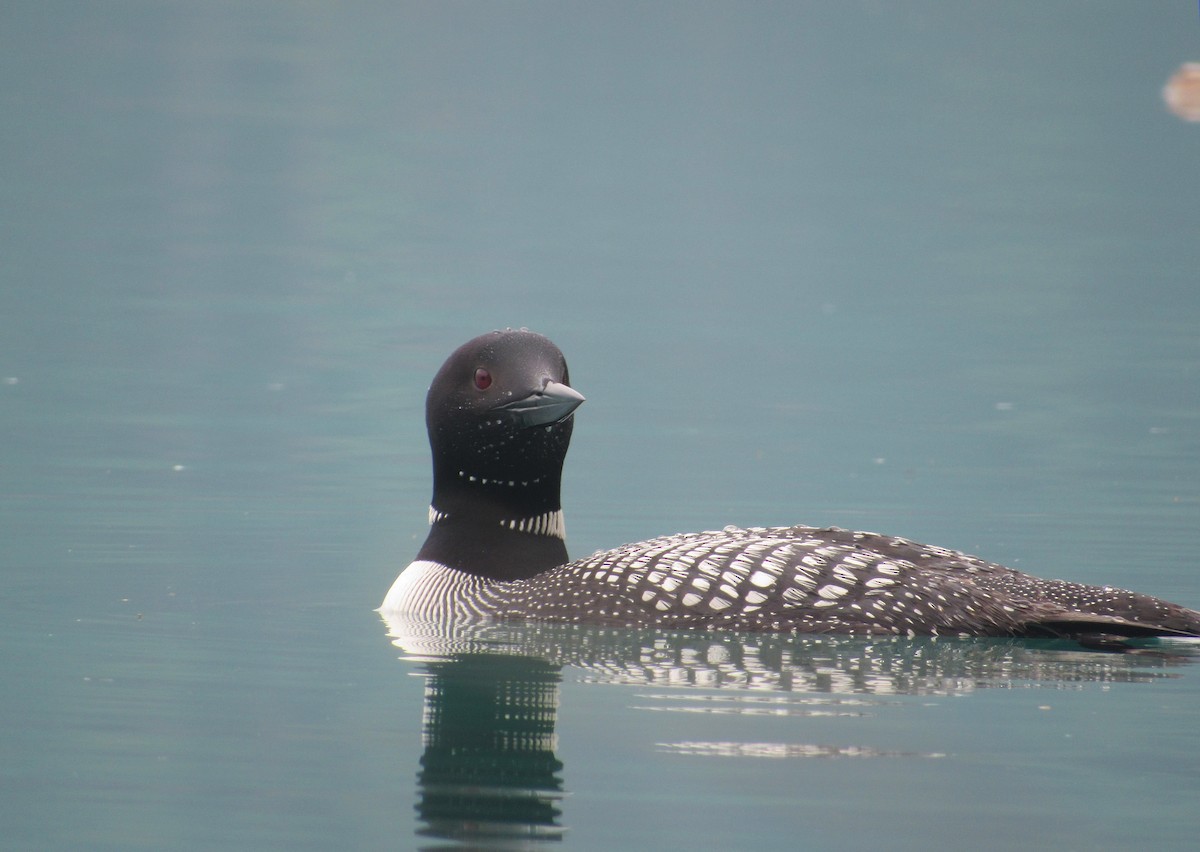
491, 550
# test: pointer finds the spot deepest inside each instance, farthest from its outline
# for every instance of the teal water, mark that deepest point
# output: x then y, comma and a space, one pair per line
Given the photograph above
922, 268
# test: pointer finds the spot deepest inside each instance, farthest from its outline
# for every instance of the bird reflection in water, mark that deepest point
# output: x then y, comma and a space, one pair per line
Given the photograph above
489, 771
489, 776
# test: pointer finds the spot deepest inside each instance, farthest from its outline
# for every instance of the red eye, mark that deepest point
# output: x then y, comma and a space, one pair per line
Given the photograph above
483, 379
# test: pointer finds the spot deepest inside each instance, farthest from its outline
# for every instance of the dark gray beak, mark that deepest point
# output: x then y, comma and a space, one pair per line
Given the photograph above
552, 404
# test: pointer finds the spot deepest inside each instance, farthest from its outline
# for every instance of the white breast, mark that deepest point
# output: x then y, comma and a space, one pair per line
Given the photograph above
436, 592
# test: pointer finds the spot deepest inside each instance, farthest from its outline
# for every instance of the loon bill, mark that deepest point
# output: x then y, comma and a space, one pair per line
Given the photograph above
499, 416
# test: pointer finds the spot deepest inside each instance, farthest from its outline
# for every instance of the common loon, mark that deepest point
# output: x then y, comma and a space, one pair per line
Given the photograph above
499, 416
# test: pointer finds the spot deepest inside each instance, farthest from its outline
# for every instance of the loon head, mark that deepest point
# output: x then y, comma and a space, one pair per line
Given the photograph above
499, 416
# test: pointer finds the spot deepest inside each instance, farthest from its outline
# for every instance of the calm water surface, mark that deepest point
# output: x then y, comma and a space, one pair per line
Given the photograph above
918, 268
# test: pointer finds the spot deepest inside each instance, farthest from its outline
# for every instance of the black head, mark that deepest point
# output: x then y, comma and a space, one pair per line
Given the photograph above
499, 420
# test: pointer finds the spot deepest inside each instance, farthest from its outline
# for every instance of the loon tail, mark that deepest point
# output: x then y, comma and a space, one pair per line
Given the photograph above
1110, 632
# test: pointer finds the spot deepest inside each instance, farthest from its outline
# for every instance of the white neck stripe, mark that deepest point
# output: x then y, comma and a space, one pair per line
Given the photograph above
547, 523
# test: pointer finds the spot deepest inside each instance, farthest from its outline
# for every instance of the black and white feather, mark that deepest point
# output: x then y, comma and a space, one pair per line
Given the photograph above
499, 414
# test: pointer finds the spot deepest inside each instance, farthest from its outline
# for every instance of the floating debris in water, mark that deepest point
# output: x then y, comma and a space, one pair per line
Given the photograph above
1182, 92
